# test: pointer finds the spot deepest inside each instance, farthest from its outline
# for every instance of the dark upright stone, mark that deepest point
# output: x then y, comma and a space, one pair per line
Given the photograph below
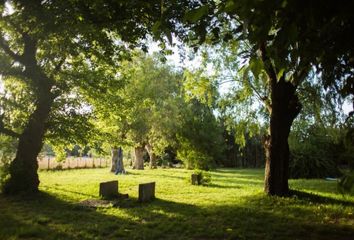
146, 192
109, 189
196, 179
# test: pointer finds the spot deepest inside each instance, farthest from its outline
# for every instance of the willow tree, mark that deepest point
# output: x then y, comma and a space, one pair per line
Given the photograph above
144, 112
286, 40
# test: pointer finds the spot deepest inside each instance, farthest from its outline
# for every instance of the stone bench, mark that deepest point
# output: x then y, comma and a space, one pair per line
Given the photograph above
146, 192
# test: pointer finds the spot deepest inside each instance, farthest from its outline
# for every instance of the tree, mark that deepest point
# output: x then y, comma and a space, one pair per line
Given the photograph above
144, 112
200, 141
51, 47
286, 40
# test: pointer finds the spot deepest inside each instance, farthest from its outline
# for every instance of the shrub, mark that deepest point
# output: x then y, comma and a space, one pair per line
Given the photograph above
203, 177
314, 156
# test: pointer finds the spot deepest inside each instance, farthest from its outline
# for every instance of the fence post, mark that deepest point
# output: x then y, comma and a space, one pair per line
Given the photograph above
48, 165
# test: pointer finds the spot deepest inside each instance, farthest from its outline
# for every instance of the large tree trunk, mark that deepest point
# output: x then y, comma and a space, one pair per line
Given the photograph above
284, 109
23, 169
120, 165
114, 159
153, 163
138, 159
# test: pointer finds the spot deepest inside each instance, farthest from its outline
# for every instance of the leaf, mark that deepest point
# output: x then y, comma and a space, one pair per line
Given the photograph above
256, 66
196, 14
230, 6
156, 28
280, 73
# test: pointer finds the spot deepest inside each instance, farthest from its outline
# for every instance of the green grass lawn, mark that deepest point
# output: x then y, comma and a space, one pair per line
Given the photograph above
232, 207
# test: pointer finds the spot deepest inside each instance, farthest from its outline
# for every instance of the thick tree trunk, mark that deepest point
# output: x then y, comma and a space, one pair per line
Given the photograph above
284, 109
23, 169
114, 159
120, 165
153, 163
138, 159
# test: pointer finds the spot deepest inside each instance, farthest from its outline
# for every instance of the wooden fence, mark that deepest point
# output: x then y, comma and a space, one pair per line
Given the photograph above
73, 162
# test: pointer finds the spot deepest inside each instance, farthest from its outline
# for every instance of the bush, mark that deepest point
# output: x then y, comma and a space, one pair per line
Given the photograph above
346, 183
204, 178
194, 158
314, 156
310, 165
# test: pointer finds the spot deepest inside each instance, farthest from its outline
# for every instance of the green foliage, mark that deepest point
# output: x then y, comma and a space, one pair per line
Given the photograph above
314, 155
200, 137
192, 157
135, 111
348, 154
7, 153
60, 153
346, 183
204, 177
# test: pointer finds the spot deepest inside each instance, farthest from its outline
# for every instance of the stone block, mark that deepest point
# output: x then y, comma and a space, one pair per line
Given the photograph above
196, 179
109, 189
146, 192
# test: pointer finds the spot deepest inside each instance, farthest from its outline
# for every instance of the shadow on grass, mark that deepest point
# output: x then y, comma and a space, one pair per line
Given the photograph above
255, 172
255, 217
44, 216
215, 185
69, 191
315, 198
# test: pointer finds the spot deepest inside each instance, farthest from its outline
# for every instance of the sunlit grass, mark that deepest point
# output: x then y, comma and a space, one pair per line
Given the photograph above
233, 206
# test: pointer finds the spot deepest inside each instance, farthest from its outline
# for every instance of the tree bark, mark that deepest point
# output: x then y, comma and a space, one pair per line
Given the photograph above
23, 169
138, 159
153, 163
284, 109
114, 159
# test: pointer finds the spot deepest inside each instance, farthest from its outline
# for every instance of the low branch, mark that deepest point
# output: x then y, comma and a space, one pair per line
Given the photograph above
263, 99
58, 67
5, 46
7, 131
13, 72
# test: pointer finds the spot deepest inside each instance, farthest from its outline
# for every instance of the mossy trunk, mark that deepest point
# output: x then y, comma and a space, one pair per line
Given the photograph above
285, 107
138, 158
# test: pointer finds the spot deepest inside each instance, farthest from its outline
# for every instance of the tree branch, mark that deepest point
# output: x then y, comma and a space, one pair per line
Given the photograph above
7, 131
58, 67
300, 76
268, 65
5, 46
263, 99
14, 72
